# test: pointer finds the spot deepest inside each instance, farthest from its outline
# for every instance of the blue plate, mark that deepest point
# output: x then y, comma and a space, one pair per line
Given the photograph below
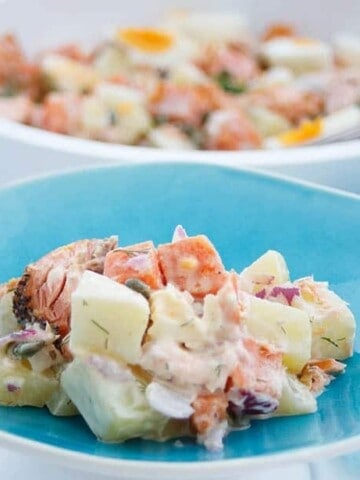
244, 214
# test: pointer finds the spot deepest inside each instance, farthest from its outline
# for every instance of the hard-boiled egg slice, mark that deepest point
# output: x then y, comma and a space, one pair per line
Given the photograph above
307, 131
148, 40
299, 54
156, 47
347, 49
210, 28
317, 129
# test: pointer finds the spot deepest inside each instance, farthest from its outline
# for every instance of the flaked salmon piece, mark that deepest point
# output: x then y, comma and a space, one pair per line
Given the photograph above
259, 370
17, 109
209, 411
230, 129
328, 365
317, 374
60, 113
231, 59
343, 90
134, 261
294, 104
184, 103
43, 293
72, 51
16, 73
192, 264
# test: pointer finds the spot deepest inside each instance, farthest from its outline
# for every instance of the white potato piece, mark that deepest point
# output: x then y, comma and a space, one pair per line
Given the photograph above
296, 398
299, 55
8, 321
68, 75
107, 317
332, 322
272, 77
347, 49
169, 137
211, 28
60, 405
270, 268
174, 318
267, 122
20, 386
287, 328
188, 74
111, 61
111, 400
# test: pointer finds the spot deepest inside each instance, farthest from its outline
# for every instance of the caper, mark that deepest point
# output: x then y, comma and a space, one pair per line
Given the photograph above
139, 286
25, 350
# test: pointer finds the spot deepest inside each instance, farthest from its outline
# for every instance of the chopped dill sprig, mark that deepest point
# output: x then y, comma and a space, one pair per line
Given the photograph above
103, 329
329, 340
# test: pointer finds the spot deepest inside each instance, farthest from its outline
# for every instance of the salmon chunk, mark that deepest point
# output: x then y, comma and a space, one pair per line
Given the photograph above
209, 410
259, 369
43, 293
192, 264
135, 261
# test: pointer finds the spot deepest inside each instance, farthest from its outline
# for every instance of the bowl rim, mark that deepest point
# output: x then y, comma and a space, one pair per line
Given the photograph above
10, 130
206, 469
255, 172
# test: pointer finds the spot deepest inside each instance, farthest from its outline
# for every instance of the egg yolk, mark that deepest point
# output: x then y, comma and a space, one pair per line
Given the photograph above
307, 131
147, 39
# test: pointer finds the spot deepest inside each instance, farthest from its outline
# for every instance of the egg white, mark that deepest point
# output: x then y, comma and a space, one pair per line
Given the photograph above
298, 55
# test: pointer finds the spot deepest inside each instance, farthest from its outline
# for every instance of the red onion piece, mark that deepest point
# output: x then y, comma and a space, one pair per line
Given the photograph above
179, 234
288, 292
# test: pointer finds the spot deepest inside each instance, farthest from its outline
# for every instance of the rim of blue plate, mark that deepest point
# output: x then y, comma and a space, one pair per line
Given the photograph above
83, 461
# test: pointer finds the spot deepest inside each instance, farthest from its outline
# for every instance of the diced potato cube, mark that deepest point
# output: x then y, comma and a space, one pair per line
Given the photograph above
107, 317
173, 317
68, 75
8, 321
111, 400
296, 398
20, 386
60, 405
332, 322
269, 269
286, 327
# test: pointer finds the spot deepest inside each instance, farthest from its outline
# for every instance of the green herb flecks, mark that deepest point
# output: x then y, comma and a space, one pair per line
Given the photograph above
85, 303
188, 322
100, 327
142, 385
341, 339
329, 340
9, 90
218, 369
229, 84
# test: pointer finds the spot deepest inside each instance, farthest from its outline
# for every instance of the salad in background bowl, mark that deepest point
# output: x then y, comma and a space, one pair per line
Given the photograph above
190, 81
43, 26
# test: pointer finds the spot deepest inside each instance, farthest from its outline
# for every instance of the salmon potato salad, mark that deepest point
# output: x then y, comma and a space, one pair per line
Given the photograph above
164, 342
193, 81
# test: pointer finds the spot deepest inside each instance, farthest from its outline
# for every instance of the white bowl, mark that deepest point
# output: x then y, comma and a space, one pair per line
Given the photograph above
43, 23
